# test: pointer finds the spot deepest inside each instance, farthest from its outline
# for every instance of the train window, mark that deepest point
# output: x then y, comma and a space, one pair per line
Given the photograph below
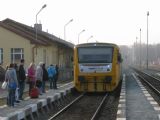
95, 54
119, 57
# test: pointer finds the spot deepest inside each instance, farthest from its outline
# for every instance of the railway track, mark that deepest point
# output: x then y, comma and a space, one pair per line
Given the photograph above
153, 72
151, 81
85, 107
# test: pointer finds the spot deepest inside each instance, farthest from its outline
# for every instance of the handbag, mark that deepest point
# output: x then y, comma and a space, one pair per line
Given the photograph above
17, 94
4, 85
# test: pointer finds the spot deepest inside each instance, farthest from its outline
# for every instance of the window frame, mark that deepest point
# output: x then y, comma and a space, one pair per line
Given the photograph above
17, 51
97, 47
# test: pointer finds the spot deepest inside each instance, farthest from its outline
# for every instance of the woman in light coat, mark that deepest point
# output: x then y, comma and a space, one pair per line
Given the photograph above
39, 77
11, 78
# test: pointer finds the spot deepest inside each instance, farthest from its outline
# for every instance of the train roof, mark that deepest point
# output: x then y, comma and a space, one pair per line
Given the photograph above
96, 44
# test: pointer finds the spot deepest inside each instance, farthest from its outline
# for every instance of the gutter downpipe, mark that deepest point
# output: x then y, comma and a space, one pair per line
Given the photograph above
33, 49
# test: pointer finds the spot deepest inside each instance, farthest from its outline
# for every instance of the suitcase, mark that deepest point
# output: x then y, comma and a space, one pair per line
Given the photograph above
34, 92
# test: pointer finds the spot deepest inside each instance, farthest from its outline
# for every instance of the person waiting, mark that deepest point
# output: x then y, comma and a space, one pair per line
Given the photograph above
51, 74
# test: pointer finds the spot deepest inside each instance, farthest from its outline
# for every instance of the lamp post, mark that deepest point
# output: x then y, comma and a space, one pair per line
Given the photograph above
89, 38
136, 52
36, 28
65, 28
147, 40
79, 34
37, 15
140, 49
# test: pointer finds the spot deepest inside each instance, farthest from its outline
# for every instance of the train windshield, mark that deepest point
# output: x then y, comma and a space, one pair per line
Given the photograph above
95, 54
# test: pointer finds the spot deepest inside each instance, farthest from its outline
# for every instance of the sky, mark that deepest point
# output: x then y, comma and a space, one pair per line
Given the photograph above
113, 21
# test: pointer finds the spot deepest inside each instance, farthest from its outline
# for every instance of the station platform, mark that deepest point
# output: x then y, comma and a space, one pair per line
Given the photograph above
29, 106
135, 102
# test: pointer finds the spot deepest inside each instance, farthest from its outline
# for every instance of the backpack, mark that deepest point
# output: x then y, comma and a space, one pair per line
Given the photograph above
51, 71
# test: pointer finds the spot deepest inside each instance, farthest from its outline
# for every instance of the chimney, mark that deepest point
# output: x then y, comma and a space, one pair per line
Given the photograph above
38, 26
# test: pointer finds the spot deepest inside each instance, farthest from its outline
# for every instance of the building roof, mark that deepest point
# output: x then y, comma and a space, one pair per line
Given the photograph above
28, 32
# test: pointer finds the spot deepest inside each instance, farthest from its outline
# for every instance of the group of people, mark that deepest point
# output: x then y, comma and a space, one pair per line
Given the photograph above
36, 77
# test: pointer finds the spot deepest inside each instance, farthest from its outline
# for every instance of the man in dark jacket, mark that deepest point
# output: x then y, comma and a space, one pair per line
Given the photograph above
45, 78
56, 76
21, 80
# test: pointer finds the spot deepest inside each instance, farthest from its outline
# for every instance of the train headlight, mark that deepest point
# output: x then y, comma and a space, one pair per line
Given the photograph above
81, 68
109, 67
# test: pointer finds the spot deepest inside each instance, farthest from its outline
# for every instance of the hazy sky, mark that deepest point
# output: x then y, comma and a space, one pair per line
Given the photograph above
116, 21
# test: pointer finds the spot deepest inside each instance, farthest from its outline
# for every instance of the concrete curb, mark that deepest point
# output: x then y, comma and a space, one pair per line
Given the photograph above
148, 96
121, 113
42, 105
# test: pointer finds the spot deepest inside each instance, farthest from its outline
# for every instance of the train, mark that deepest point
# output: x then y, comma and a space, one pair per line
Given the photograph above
97, 67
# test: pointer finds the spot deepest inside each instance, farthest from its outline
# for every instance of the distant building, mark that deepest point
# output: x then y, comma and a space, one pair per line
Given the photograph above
19, 41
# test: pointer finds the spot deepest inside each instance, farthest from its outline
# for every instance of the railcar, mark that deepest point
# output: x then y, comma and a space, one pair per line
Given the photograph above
97, 67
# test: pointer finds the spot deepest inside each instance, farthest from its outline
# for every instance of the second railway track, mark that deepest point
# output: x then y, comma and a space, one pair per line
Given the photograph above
152, 81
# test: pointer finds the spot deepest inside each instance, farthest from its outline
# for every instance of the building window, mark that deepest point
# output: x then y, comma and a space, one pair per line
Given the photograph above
1, 55
17, 54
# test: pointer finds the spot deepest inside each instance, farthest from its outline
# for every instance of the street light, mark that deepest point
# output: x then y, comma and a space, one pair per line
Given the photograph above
40, 11
136, 51
79, 34
37, 26
147, 39
36, 17
65, 28
140, 49
89, 38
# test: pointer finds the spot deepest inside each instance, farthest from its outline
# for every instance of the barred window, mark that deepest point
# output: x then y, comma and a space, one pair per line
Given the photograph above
1, 55
17, 54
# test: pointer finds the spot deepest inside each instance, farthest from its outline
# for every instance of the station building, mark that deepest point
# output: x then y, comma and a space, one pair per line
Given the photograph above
19, 41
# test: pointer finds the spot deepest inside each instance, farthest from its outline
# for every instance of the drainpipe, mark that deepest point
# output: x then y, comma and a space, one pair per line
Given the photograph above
33, 49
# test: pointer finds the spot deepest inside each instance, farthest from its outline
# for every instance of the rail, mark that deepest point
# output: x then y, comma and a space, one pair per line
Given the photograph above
149, 80
66, 107
93, 111
99, 108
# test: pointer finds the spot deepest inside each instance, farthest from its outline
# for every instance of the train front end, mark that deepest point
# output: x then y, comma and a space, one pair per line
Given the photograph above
96, 68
